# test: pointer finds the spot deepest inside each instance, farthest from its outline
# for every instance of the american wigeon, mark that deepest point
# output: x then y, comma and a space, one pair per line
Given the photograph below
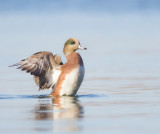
50, 73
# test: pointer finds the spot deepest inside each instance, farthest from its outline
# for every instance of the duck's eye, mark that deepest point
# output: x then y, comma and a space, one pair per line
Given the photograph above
73, 42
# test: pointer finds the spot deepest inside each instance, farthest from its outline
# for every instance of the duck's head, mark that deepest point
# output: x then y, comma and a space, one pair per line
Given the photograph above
71, 45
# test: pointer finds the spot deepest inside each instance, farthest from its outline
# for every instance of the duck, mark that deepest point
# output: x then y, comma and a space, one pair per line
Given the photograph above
49, 72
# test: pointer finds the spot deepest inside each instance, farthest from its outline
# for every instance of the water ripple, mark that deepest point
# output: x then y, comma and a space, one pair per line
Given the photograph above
5, 96
92, 95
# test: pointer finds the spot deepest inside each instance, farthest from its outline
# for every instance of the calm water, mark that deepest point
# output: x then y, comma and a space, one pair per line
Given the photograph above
121, 89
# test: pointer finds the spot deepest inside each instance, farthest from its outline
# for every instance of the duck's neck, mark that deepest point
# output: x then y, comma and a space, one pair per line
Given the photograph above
68, 51
74, 58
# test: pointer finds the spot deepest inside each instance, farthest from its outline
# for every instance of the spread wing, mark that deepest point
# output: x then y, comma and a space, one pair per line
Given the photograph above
45, 67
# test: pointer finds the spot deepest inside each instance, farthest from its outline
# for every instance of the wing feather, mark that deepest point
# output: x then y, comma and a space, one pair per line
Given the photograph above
43, 66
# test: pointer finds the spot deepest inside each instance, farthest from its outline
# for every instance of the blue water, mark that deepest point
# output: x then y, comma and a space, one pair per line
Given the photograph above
121, 89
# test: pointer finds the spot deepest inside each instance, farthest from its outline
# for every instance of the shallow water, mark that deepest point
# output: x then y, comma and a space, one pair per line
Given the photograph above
121, 89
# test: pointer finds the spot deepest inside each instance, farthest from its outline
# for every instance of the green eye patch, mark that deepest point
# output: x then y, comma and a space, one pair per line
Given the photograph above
70, 42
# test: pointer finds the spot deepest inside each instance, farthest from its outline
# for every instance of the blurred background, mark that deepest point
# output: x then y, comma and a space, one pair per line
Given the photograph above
105, 27
122, 60
122, 36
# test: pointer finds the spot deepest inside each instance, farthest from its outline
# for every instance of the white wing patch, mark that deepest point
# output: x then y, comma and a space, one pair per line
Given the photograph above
55, 77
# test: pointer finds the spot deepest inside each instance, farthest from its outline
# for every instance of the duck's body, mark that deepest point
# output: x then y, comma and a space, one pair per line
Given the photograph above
71, 76
49, 71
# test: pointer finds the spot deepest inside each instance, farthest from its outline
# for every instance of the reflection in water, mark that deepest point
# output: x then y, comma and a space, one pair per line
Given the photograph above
63, 112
